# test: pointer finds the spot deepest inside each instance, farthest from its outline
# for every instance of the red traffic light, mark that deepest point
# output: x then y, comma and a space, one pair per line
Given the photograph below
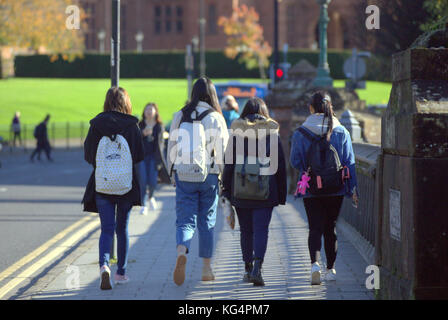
279, 73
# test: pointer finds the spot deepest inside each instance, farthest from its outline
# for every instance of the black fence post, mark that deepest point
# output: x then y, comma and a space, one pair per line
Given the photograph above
53, 132
82, 132
24, 136
68, 134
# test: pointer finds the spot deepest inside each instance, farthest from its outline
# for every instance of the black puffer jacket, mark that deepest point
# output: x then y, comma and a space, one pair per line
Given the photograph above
277, 181
108, 124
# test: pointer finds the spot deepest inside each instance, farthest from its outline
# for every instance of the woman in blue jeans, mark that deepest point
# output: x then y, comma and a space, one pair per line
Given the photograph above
113, 209
151, 128
254, 216
196, 181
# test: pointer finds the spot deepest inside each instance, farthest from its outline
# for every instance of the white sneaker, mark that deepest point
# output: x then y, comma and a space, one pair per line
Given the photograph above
330, 275
144, 211
315, 273
153, 204
105, 282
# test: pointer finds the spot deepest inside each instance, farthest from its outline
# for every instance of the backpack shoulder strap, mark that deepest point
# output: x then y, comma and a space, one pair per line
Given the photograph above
307, 134
203, 115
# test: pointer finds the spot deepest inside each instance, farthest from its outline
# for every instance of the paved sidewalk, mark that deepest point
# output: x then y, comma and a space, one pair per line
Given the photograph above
152, 258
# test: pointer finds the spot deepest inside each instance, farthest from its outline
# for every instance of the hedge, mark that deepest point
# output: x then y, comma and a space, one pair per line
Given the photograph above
161, 64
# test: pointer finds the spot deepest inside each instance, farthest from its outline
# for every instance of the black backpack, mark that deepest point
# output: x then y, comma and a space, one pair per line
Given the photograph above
323, 165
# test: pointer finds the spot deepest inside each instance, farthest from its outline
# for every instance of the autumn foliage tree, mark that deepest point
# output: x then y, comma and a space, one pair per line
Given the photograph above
40, 25
245, 38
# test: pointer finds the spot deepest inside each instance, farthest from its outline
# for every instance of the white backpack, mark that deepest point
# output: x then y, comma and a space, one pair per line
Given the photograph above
113, 173
192, 160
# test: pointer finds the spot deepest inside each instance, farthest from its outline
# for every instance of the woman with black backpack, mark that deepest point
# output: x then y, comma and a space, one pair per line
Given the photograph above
254, 181
113, 147
322, 151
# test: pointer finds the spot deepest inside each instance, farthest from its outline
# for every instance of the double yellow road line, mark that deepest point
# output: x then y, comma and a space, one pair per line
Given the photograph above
81, 228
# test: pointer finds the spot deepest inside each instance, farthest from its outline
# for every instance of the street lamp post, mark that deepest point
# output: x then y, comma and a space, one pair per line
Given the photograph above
202, 22
195, 46
323, 78
115, 41
115, 67
139, 38
101, 36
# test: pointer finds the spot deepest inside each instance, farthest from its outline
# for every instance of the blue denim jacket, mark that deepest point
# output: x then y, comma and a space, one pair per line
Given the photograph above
340, 139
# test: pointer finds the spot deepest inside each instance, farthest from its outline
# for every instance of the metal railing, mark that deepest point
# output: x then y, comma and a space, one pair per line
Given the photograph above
362, 219
60, 134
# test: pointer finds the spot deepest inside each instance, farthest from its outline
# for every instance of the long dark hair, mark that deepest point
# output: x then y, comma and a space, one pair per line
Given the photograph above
157, 116
203, 90
321, 103
255, 106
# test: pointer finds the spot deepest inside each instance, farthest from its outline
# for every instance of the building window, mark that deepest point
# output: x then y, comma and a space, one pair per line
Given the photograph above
212, 26
157, 21
179, 26
179, 12
168, 26
157, 12
168, 12
158, 27
179, 16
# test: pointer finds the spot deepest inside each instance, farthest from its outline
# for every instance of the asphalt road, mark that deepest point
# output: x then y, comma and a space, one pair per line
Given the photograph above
38, 200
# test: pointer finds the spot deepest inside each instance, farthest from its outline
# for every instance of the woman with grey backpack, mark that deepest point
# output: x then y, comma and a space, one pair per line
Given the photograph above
322, 151
195, 158
254, 181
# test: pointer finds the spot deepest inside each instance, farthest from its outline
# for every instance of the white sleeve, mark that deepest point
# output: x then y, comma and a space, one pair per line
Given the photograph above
172, 146
221, 140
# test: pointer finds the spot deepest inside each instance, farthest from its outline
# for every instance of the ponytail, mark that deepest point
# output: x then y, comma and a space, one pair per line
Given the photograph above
321, 102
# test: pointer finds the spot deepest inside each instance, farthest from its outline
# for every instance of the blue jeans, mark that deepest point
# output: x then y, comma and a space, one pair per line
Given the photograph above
254, 228
114, 216
196, 203
148, 176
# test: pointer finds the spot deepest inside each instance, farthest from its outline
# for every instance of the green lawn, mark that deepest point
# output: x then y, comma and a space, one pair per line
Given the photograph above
79, 100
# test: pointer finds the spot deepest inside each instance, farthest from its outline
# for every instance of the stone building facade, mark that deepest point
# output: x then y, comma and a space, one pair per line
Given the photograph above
172, 24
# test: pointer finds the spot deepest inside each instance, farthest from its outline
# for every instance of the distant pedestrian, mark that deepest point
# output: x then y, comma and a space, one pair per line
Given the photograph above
113, 147
252, 192
322, 151
16, 129
198, 136
43, 144
152, 131
230, 109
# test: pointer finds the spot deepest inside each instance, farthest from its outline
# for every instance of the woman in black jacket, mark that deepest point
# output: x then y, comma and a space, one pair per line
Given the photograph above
116, 119
152, 131
254, 216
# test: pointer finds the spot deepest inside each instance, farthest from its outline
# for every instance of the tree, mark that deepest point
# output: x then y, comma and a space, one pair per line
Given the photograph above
438, 11
40, 25
401, 22
245, 38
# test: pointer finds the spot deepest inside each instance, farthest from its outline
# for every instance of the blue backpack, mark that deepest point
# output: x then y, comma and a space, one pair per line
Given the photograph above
323, 165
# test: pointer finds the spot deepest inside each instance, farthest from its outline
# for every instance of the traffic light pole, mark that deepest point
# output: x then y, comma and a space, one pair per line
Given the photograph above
275, 39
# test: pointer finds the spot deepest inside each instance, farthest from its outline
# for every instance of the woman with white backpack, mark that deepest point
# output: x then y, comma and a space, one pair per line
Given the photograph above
113, 147
195, 158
